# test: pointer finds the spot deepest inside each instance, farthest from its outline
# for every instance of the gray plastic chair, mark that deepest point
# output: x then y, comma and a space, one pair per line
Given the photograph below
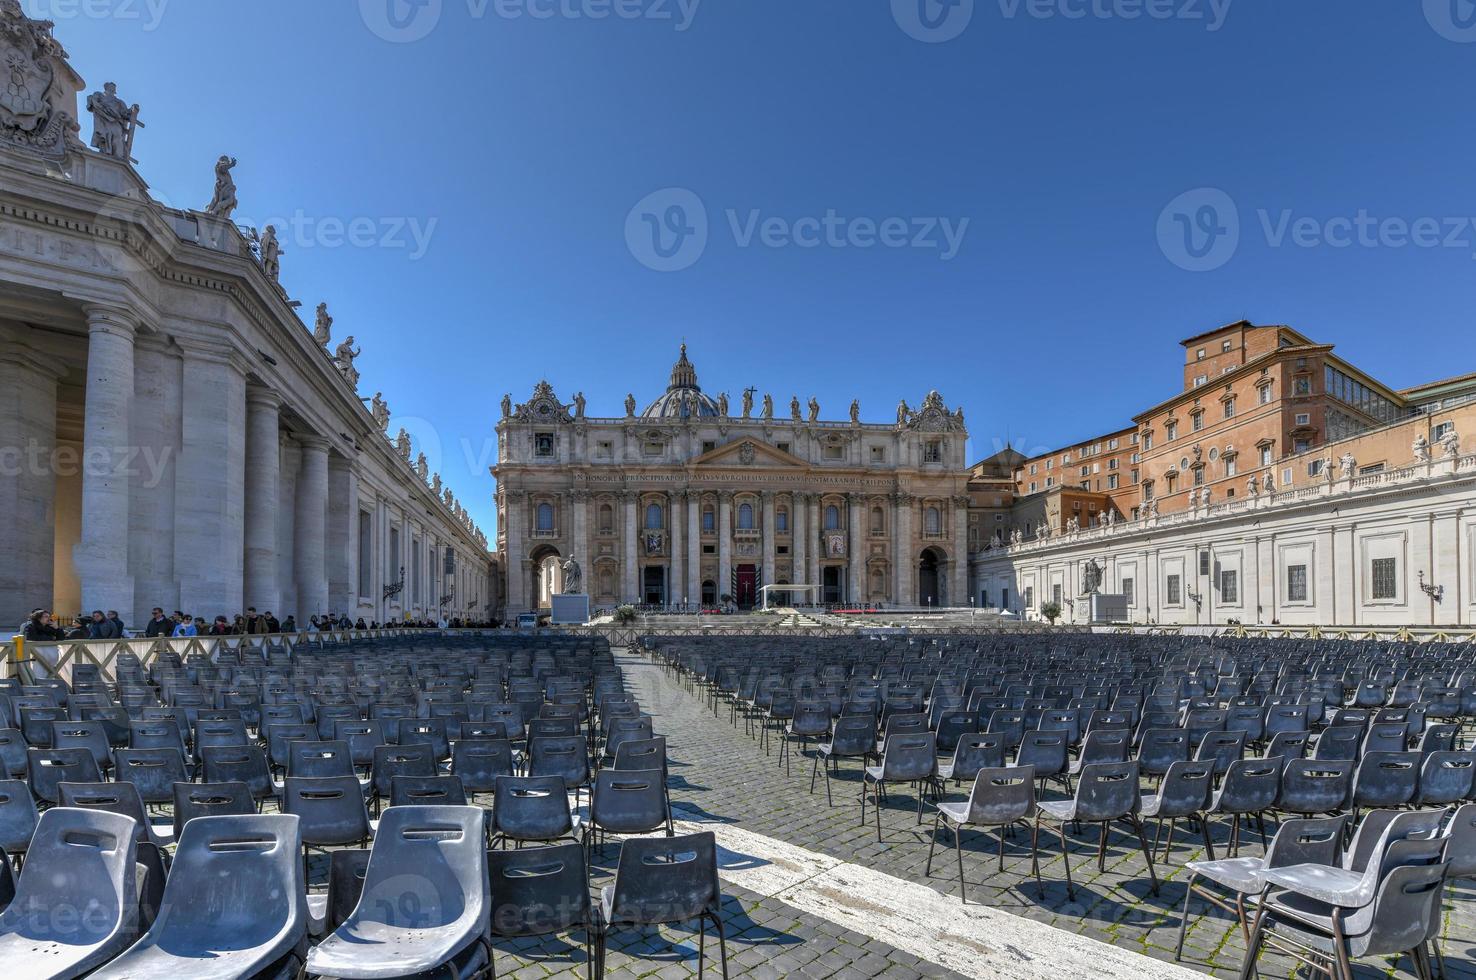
51, 767
1401, 917
565, 756
1001, 796
424, 903
531, 808
152, 771
427, 791
909, 758
115, 798
234, 904
1161, 748
17, 817
627, 802
1311, 786
192, 800
854, 738
1314, 840
1107, 791
1445, 777
479, 761
239, 764
667, 880
1184, 793
811, 720
974, 751
76, 904
332, 811
1385, 779
542, 891
12, 753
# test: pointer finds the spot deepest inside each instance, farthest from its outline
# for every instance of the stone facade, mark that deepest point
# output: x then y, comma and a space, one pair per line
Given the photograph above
1383, 533
696, 498
171, 433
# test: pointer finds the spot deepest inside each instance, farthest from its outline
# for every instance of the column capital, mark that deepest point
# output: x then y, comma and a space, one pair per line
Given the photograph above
107, 318
313, 443
262, 396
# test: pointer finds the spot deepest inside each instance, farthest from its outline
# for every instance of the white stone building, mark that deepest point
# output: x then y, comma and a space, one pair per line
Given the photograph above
694, 499
170, 432
1395, 547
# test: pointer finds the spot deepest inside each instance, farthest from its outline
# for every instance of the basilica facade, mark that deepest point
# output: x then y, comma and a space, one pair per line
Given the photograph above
694, 500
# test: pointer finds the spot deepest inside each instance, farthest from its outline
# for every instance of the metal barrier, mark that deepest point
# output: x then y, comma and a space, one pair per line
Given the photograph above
35, 661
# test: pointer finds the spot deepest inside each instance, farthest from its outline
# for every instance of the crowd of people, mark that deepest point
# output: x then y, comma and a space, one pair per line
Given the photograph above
42, 626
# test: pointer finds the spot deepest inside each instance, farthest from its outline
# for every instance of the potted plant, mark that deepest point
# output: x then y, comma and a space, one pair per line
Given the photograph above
1051, 611
625, 615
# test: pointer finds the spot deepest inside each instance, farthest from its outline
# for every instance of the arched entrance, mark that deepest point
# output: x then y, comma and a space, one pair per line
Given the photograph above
548, 576
930, 579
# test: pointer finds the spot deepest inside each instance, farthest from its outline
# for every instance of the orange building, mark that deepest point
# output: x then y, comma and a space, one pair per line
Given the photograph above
1256, 401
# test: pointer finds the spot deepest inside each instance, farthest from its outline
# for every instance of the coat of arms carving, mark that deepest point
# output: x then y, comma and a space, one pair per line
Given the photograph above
746, 454
31, 96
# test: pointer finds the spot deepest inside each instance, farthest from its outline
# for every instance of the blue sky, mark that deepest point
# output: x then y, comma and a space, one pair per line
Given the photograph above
1022, 203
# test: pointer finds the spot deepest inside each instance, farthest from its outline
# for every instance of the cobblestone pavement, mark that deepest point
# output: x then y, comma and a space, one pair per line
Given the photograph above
720, 773
723, 778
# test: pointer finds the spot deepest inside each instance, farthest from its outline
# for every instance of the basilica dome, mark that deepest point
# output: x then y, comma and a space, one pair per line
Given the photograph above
683, 397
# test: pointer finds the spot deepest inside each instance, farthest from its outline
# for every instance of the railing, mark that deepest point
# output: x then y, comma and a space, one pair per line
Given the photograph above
41, 660
1447, 468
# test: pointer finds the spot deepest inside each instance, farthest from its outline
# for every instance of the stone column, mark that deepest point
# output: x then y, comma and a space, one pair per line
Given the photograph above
902, 549
101, 554
815, 549
310, 523
959, 588
769, 532
157, 387
28, 385
725, 544
674, 579
857, 564
343, 536
210, 488
798, 545
694, 547
515, 552
263, 470
630, 582
579, 543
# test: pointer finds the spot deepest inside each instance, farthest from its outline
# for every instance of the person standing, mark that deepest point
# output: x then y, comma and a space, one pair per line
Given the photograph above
158, 624
221, 627
186, 626
117, 621
40, 628
101, 628
273, 626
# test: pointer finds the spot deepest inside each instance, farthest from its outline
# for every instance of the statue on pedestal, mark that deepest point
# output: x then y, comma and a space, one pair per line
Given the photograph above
113, 123
271, 254
379, 409
323, 326
630, 406
1421, 449
1091, 577
1347, 465
855, 412
579, 405
573, 576
748, 403
223, 204
1450, 444
507, 406
343, 356
814, 410
794, 408
768, 406
722, 404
